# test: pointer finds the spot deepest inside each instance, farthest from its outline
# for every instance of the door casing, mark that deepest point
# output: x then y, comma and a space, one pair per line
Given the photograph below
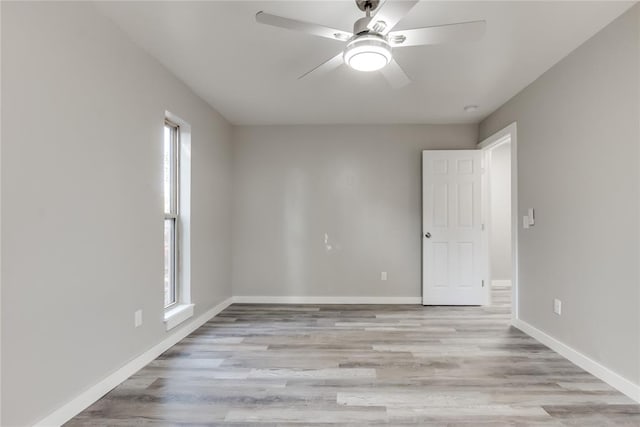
508, 133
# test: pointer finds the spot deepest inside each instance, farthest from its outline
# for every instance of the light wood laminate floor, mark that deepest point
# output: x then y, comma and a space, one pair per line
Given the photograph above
362, 364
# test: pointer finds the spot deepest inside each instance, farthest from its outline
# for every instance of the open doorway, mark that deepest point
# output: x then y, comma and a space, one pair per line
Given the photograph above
469, 235
500, 218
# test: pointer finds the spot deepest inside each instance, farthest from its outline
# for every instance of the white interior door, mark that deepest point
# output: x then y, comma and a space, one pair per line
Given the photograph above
452, 246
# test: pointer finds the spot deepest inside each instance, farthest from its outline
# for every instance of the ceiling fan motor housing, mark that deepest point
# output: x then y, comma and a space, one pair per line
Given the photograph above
360, 26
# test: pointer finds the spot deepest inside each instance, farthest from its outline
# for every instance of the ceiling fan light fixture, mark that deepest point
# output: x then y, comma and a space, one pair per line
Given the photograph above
368, 52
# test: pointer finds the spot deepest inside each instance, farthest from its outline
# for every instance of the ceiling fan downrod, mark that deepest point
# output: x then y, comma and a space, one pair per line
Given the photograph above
367, 6
361, 26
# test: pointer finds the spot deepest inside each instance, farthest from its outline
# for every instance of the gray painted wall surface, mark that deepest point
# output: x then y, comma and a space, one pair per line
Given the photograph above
578, 166
500, 230
82, 115
323, 210
318, 210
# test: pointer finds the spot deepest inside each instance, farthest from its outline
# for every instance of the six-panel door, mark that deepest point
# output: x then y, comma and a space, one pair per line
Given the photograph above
451, 228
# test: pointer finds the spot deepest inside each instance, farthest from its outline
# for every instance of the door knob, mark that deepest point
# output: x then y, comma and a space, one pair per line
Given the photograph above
427, 235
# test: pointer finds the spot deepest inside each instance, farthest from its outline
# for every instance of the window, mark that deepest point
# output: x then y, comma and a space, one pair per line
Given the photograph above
171, 213
177, 220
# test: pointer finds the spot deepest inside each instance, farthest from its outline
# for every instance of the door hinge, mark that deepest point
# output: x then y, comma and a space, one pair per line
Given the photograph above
483, 283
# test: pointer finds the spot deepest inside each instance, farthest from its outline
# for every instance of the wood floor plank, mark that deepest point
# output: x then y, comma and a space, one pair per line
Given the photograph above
271, 365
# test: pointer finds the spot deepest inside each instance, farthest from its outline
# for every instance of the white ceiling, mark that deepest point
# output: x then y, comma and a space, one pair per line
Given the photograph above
248, 71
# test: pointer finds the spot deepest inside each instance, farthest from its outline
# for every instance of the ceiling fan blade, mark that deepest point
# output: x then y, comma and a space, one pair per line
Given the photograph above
305, 27
395, 75
389, 14
466, 31
325, 67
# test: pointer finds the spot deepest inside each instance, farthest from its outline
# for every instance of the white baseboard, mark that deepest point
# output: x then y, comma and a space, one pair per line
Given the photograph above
596, 369
325, 300
88, 397
91, 395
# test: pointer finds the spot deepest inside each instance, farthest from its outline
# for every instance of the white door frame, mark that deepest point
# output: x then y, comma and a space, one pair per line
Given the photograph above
498, 138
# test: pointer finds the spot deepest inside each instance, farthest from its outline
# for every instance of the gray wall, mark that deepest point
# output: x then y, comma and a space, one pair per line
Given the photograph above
82, 115
578, 166
500, 230
322, 210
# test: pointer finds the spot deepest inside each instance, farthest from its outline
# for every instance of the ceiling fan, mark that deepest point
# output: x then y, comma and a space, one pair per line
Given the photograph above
369, 47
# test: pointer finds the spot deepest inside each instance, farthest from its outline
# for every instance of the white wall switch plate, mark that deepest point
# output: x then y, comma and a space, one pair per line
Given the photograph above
137, 318
383, 275
557, 306
525, 221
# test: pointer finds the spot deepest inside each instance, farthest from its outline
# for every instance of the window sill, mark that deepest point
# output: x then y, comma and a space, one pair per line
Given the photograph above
176, 315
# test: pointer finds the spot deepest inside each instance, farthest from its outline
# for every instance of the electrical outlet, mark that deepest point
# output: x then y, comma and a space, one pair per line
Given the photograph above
137, 318
557, 306
383, 275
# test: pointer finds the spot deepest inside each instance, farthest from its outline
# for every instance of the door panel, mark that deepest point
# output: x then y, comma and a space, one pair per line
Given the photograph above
451, 217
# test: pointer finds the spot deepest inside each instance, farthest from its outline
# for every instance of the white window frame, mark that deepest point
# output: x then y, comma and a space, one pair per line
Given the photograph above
182, 309
173, 215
